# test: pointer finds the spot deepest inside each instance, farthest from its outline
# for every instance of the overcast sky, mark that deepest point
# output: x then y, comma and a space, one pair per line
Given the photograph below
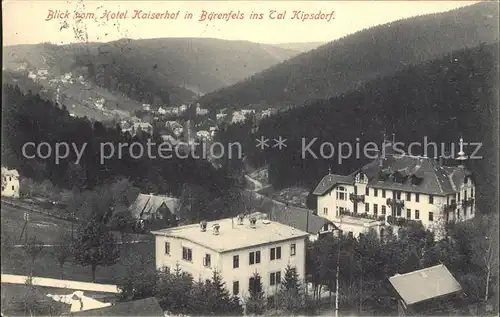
24, 21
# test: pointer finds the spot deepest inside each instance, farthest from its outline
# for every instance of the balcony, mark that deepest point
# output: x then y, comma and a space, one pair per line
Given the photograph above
357, 198
360, 215
467, 202
395, 203
451, 207
401, 222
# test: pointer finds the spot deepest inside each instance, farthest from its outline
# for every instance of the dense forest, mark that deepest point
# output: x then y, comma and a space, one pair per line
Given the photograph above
440, 100
28, 118
345, 64
156, 71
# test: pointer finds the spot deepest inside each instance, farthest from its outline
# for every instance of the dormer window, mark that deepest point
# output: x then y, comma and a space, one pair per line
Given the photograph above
361, 177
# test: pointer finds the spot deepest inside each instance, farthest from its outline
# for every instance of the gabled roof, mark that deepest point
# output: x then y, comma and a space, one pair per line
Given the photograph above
436, 179
144, 204
143, 307
297, 218
331, 180
425, 284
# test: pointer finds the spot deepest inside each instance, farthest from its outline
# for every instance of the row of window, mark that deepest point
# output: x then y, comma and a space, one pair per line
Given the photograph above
458, 196
253, 257
408, 195
255, 283
384, 211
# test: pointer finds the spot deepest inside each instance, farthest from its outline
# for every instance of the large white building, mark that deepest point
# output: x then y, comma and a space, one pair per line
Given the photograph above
237, 248
10, 183
397, 186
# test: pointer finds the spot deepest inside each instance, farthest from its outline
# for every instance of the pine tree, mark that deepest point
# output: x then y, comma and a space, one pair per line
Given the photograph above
290, 280
290, 297
255, 304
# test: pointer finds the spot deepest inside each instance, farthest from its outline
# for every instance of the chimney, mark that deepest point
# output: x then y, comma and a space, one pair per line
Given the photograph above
253, 222
203, 226
216, 228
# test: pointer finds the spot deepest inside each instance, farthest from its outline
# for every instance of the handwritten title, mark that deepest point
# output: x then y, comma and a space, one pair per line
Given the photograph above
204, 16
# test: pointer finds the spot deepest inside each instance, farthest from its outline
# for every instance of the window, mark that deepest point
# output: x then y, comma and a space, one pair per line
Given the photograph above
187, 254
383, 193
375, 209
341, 193
375, 192
367, 191
367, 207
275, 253
275, 278
361, 177
292, 249
408, 213
431, 216
167, 247
465, 194
431, 199
236, 288
207, 261
236, 261
398, 212
384, 210
254, 257
408, 196
398, 195
12, 187
325, 211
254, 284
417, 197
458, 199
472, 192
10, 178
417, 214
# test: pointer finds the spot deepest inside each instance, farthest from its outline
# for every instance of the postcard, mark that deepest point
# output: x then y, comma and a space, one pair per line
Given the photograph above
229, 158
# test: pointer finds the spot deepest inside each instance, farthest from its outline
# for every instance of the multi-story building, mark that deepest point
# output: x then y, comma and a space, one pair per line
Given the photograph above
237, 248
398, 186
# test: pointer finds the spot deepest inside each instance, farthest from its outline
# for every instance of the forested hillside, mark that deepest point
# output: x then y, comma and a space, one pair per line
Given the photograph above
28, 118
440, 100
347, 63
157, 71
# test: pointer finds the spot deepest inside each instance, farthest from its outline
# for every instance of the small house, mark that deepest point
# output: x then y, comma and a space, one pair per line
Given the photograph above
10, 183
304, 220
432, 290
151, 208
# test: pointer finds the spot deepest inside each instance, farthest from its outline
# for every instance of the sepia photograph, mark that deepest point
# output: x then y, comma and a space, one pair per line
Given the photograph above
250, 158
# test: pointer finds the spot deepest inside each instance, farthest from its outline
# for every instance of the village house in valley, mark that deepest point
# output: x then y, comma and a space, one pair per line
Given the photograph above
154, 207
10, 183
395, 188
429, 291
303, 219
237, 248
